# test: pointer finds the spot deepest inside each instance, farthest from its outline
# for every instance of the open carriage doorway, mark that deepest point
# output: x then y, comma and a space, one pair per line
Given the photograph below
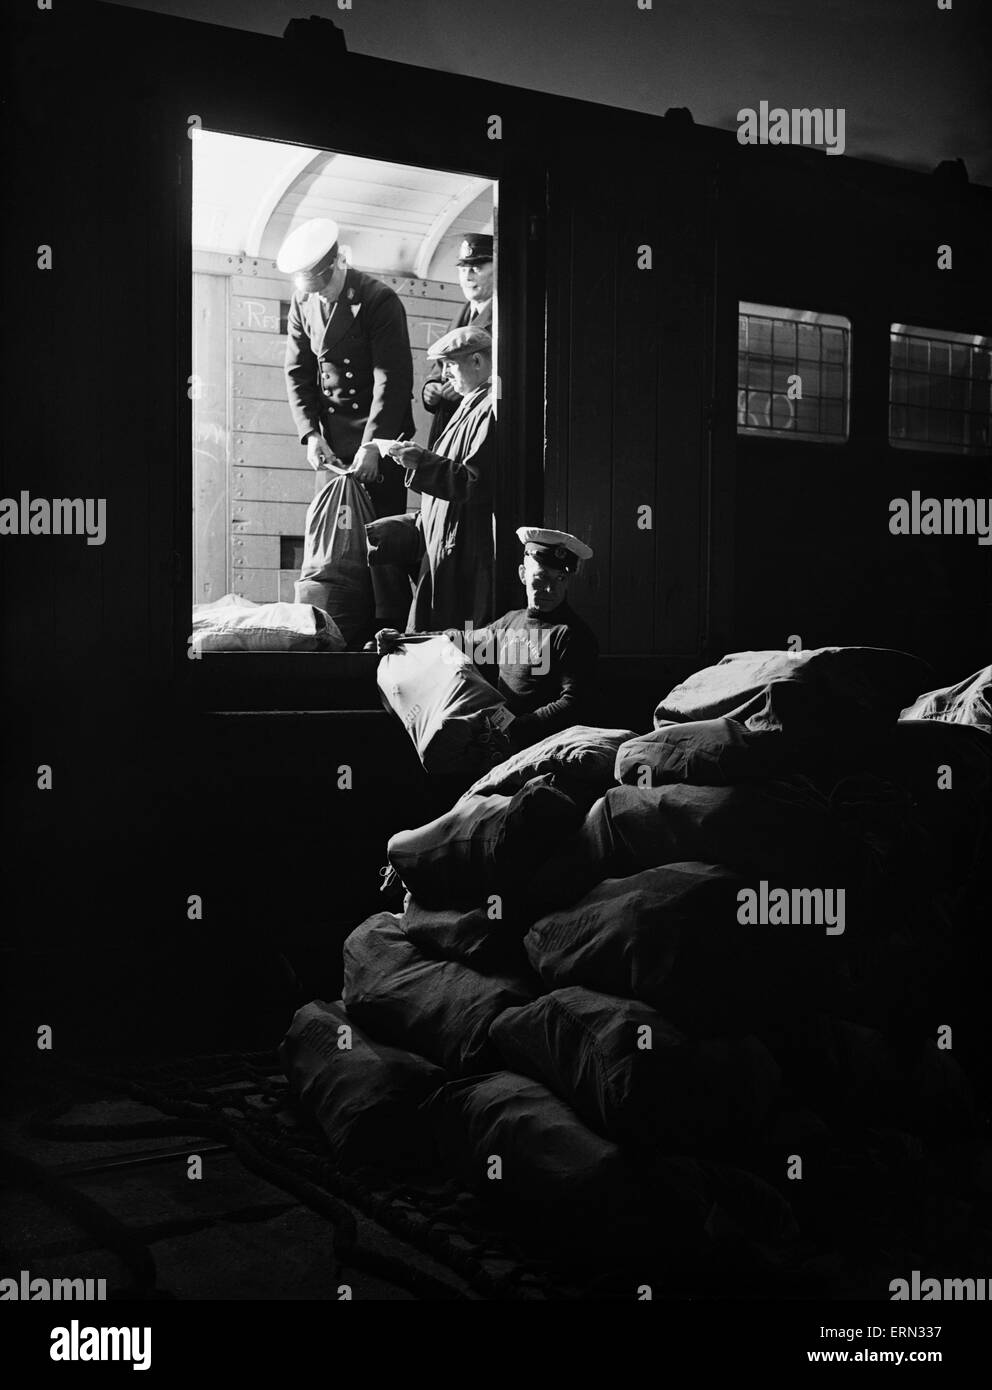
399, 223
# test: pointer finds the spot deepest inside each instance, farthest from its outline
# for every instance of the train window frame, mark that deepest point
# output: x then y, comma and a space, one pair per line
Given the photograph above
902, 372
816, 321
270, 679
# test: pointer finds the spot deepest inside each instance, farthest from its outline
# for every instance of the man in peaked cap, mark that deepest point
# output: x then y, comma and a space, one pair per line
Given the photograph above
545, 654
349, 373
455, 580
475, 275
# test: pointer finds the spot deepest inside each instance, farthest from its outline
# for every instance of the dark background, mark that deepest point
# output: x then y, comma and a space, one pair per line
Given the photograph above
174, 778
912, 78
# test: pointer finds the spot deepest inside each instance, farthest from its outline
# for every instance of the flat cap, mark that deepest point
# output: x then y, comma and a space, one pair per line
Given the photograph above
311, 249
475, 249
555, 548
460, 342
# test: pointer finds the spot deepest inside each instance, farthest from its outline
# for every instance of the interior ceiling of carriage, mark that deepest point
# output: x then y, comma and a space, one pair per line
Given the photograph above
396, 219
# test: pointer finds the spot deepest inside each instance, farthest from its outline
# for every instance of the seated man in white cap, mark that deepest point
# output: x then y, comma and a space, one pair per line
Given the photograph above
545, 653
455, 580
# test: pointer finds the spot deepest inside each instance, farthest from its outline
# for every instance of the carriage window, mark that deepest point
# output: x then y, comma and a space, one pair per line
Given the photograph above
940, 391
404, 227
793, 373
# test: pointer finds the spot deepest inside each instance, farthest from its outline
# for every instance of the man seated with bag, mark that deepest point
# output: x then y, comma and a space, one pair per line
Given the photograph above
545, 654
448, 549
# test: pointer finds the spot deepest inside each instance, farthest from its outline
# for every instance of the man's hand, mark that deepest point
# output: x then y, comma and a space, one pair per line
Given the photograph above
387, 639
407, 455
318, 454
437, 391
365, 466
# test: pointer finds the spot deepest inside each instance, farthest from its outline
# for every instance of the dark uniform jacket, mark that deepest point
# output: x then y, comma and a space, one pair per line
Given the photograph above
456, 574
351, 375
547, 665
443, 410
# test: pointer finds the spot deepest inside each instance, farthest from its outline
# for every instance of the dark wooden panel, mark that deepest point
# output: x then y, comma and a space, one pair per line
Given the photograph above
630, 376
683, 390
632, 556
558, 358
589, 501
722, 423
519, 367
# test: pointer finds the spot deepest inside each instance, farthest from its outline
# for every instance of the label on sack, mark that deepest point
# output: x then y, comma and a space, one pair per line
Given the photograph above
501, 718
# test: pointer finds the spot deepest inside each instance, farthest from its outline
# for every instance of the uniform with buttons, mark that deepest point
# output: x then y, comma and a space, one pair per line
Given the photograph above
349, 372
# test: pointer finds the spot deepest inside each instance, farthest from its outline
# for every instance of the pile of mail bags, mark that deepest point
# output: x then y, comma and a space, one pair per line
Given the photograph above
636, 972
